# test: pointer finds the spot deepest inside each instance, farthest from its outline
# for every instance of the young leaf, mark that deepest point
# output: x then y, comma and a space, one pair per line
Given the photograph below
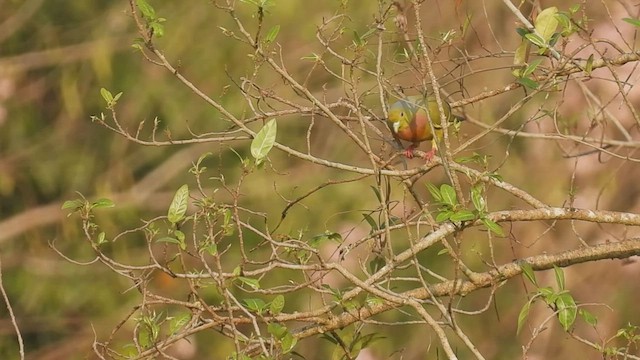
273, 32
546, 23
444, 216
146, 9
567, 310
493, 226
106, 95
253, 283
527, 270
536, 40
527, 82
255, 305
634, 22
477, 199
178, 206
102, 238
559, 277
435, 193
277, 304
462, 215
74, 205
588, 317
448, 194
278, 331
524, 312
102, 203
264, 140
288, 342
371, 222
179, 322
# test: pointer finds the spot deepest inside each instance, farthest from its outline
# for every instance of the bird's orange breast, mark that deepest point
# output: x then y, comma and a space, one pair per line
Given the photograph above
418, 129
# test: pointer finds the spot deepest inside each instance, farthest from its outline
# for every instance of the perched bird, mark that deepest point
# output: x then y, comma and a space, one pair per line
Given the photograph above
409, 120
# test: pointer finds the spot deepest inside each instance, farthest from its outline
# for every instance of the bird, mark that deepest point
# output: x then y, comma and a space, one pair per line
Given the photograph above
409, 120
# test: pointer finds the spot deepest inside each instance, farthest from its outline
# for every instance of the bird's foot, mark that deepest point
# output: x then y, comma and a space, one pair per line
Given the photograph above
428, 156
408, 152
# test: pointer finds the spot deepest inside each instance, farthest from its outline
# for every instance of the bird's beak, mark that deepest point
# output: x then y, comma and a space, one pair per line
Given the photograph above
396, 126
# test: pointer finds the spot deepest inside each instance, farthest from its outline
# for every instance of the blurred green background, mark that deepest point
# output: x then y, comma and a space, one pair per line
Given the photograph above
56, 55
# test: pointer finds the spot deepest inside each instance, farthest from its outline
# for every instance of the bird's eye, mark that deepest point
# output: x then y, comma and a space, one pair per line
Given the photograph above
401, 114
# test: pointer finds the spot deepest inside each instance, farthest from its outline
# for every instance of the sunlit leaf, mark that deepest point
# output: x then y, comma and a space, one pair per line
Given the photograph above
178, 206
277, 304
567, 310
448, 194
264, 140
546, 23
146, 9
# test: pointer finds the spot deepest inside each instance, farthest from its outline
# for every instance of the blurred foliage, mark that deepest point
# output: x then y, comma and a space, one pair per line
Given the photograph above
52, 67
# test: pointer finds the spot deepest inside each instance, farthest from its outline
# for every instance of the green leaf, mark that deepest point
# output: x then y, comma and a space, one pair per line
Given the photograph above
179, 235
564, 20
527, 271
448, 194
288, 342
357, 39
521, 57
462, 215
146, 9
531, 67
74, 205
444, 216
567, 310
178, 206
212, 249
546, 23
588, 317
559, 277
277, 304
264, 140
536, 40
371, 222
170, 240
158, 28
493, 226
253, 283
328, 235
272, 33
527, 82
435, 193
524, 312
255, 305
106, 95
589, 67
372, 301
178, 322
634, 22
477, 199
102, 203
101, 238
376, 192
278, 331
